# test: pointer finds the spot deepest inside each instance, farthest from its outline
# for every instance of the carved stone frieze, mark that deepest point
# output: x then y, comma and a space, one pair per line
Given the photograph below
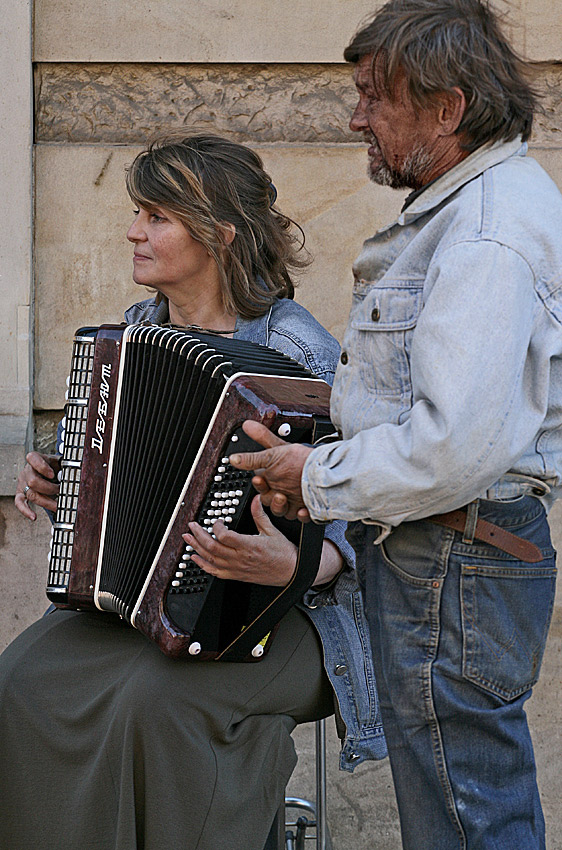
547, 129
127, 103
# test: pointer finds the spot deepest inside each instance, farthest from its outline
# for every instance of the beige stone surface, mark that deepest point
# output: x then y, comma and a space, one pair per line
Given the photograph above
15, 238
202, 31
83, 262
538, 30
551, 161
23, 570
238, 31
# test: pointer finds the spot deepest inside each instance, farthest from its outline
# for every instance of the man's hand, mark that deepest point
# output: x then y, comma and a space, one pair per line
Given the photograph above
278, 471
37, 483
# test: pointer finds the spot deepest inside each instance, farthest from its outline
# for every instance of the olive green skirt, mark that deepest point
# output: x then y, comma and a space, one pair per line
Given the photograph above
106, 744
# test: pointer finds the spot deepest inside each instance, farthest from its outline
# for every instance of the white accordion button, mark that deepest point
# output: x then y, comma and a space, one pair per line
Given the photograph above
194, 648
284, 430
257, 651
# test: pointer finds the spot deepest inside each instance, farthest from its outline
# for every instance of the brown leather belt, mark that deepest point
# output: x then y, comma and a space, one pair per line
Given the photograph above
487, 532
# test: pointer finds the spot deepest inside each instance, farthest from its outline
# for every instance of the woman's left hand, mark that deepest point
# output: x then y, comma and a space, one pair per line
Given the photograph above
267, 557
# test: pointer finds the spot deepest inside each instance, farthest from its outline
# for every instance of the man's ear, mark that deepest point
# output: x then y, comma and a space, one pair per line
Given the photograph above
227, 232
451, 106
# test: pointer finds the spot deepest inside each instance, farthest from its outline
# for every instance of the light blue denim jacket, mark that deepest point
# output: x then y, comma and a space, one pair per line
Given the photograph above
337, 613
450, 383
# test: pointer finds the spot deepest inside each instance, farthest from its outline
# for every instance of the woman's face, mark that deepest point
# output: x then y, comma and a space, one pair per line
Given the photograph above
166, 256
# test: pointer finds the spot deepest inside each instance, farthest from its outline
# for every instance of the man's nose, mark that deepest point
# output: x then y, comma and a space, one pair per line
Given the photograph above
358, 121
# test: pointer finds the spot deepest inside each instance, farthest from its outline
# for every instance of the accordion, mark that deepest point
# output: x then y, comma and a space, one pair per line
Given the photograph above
152, 415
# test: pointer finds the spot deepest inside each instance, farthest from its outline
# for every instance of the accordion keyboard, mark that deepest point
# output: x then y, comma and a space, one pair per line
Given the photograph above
226, 500
71, 449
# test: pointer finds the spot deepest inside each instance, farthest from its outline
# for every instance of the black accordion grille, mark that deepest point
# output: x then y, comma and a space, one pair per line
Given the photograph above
171, 385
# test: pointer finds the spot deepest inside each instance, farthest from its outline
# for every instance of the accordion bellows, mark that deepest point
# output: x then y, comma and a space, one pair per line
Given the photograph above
151, 418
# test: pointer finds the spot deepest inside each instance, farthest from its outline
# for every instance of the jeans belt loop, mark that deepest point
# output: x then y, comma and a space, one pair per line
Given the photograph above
471, 520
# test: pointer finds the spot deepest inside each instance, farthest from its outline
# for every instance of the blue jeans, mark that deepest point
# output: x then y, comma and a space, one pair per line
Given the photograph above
458, 633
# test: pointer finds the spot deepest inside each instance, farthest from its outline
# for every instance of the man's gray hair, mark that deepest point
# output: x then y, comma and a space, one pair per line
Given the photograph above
442, 44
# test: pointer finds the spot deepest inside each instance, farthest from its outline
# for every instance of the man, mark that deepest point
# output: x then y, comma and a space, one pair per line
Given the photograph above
448, 401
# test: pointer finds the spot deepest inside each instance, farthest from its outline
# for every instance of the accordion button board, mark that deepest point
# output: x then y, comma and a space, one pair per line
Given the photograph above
152, 416
227, 504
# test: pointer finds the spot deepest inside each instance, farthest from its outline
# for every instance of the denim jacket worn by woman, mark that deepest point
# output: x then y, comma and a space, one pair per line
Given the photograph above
449, 386
337, 613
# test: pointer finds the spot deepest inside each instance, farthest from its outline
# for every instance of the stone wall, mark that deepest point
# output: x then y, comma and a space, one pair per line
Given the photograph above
105, 78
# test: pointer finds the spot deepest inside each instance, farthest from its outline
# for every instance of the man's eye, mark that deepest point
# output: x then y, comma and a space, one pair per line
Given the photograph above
156, 217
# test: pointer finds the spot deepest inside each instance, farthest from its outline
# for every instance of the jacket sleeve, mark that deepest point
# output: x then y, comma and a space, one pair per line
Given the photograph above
480, 378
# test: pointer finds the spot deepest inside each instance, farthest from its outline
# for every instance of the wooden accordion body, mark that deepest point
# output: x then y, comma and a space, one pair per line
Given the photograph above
151, 418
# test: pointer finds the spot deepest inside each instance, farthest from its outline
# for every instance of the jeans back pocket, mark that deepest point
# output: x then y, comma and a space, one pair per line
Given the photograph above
506, 612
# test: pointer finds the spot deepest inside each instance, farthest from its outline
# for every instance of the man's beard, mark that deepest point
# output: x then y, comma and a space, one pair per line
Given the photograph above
417, 163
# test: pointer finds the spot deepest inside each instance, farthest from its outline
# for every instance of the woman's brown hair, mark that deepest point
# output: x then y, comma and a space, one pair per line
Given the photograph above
209, 182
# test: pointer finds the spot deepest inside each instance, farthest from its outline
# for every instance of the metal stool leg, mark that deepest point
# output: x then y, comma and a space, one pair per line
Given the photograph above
317, 809
321, 786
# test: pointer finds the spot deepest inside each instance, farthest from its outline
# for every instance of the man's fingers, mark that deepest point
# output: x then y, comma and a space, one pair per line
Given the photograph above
251, 460
279, 504
303, 515
261, 434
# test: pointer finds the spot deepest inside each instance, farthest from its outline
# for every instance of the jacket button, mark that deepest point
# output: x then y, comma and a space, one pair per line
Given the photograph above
340, 669
344, 358
375, 314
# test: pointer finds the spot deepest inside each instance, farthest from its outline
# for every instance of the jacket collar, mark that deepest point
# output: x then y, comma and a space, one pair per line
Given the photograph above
473, 166
156, 311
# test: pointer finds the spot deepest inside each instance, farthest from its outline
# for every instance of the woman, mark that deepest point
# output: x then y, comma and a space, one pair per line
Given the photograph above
106, 742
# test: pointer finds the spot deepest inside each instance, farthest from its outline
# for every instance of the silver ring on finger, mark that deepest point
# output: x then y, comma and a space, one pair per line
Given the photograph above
26, 490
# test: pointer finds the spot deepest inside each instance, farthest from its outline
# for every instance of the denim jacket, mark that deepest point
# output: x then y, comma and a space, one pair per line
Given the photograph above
449, 386
337, 612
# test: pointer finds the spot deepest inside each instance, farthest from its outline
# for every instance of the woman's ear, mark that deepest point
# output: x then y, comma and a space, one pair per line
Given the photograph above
227, 232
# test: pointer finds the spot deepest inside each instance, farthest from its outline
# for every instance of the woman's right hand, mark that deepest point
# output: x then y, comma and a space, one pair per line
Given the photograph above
37, 483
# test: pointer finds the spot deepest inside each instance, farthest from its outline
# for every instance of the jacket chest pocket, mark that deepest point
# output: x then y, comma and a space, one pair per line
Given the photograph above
383, 324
